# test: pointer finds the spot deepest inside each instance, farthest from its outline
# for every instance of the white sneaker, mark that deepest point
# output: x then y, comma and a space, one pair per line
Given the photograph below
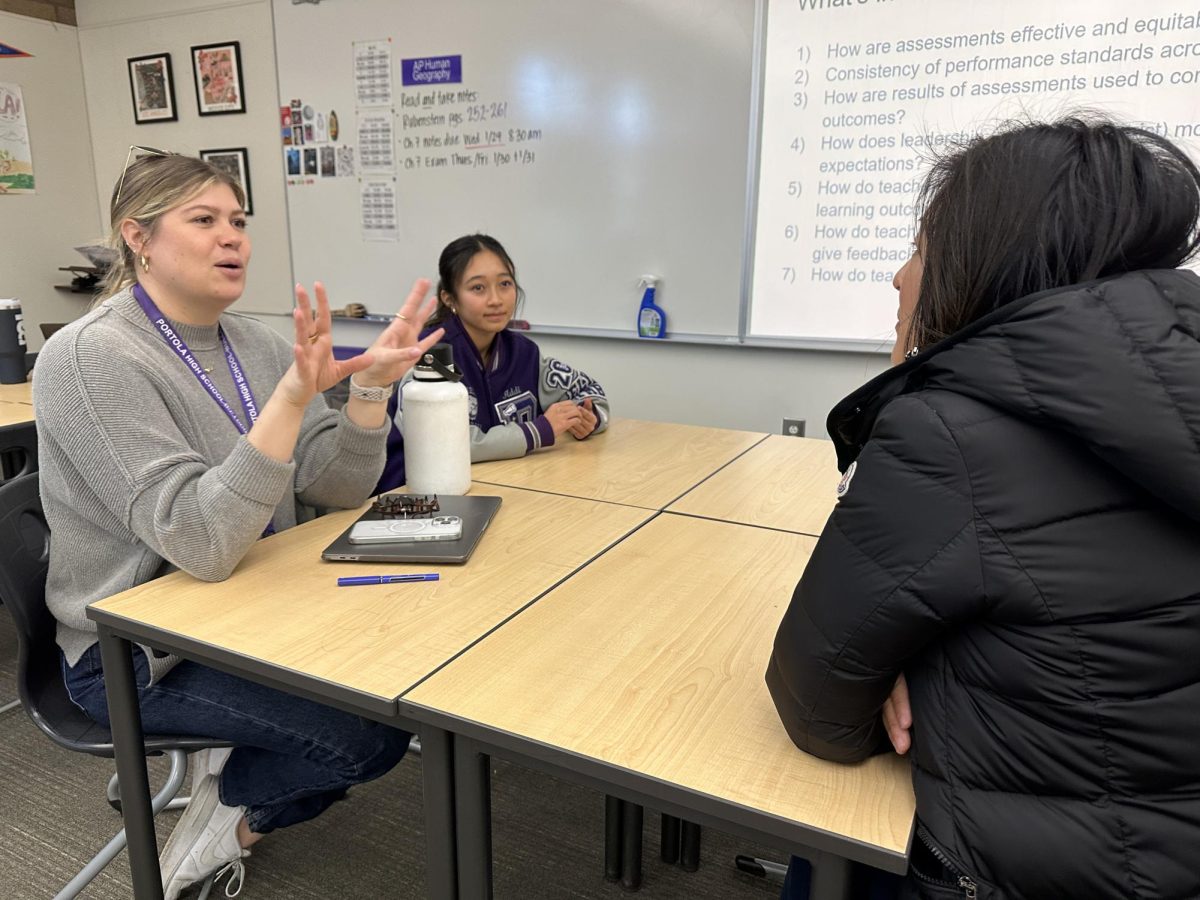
204, 841
207, 762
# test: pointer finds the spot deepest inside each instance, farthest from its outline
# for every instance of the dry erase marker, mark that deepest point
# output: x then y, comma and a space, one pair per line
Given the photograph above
385, 579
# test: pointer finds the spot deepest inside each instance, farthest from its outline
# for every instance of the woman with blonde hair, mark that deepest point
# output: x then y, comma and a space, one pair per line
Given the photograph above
174, 433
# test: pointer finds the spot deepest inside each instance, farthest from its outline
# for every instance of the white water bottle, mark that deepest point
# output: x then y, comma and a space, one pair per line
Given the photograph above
437, 427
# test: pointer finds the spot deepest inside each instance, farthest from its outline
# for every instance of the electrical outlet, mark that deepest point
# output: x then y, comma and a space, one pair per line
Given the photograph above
793, 427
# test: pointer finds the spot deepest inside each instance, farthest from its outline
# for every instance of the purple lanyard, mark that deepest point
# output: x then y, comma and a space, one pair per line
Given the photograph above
176, 343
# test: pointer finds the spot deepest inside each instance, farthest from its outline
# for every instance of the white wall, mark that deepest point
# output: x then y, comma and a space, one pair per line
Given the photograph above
38, 231
732, 387
112, 31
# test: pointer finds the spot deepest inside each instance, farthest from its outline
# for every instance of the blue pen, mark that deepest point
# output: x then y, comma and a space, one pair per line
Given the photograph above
386, 579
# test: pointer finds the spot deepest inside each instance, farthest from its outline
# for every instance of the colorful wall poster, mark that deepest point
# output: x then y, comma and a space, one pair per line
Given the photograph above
16, 158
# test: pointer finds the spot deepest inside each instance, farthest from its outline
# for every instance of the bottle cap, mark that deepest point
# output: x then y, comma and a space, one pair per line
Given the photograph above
437, 364
11, 303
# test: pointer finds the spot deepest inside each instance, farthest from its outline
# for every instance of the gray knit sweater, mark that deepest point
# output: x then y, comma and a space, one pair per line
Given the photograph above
142, 472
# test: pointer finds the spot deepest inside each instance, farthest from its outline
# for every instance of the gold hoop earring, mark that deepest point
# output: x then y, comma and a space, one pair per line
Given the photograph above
143, 262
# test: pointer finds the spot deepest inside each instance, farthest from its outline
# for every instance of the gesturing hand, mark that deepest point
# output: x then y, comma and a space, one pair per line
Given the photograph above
315, 369
897, 716
397, 348
587, 421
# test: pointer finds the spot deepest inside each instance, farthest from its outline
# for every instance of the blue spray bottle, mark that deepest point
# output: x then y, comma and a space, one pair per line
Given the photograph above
652, 321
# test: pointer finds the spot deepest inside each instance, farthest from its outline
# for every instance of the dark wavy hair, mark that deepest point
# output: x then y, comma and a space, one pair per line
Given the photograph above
452, 265
1036, 206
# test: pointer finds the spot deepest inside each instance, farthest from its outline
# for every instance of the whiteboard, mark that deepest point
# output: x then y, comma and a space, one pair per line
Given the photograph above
856, 91
598, 141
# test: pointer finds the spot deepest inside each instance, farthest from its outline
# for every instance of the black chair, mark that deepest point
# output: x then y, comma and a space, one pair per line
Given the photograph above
18, 450
18, 456
24, 560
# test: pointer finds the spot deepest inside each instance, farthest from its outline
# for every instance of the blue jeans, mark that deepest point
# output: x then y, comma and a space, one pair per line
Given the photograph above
294, 757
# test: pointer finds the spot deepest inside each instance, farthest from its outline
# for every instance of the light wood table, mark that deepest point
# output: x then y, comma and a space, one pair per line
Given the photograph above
282, 605
17, 393
784, 482
281, 619
15, 413
644, 674
634, 462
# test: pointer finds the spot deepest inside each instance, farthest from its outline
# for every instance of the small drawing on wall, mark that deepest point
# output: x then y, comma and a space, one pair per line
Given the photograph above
345, 161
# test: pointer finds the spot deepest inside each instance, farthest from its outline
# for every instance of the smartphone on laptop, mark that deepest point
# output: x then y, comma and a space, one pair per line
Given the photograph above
386, 531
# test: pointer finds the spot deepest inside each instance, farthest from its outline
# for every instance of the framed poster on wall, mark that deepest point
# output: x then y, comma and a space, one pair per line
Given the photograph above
233, 161
218, 72
152, 89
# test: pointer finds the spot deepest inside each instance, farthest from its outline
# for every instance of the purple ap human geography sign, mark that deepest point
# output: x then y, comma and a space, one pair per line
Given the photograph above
431, 70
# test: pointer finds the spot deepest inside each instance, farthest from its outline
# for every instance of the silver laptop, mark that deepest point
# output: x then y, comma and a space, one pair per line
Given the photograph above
476, 514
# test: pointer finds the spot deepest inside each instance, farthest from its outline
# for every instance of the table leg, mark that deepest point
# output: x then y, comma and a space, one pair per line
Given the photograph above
473, 819
613, 812
130, 751
631, 847
669, 844
830, 877
437, 771
689, 846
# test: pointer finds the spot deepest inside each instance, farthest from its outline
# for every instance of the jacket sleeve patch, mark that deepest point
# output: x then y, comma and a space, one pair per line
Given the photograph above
558, 377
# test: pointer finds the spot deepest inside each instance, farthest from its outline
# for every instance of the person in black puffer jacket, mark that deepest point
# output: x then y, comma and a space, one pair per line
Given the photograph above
1012, 571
